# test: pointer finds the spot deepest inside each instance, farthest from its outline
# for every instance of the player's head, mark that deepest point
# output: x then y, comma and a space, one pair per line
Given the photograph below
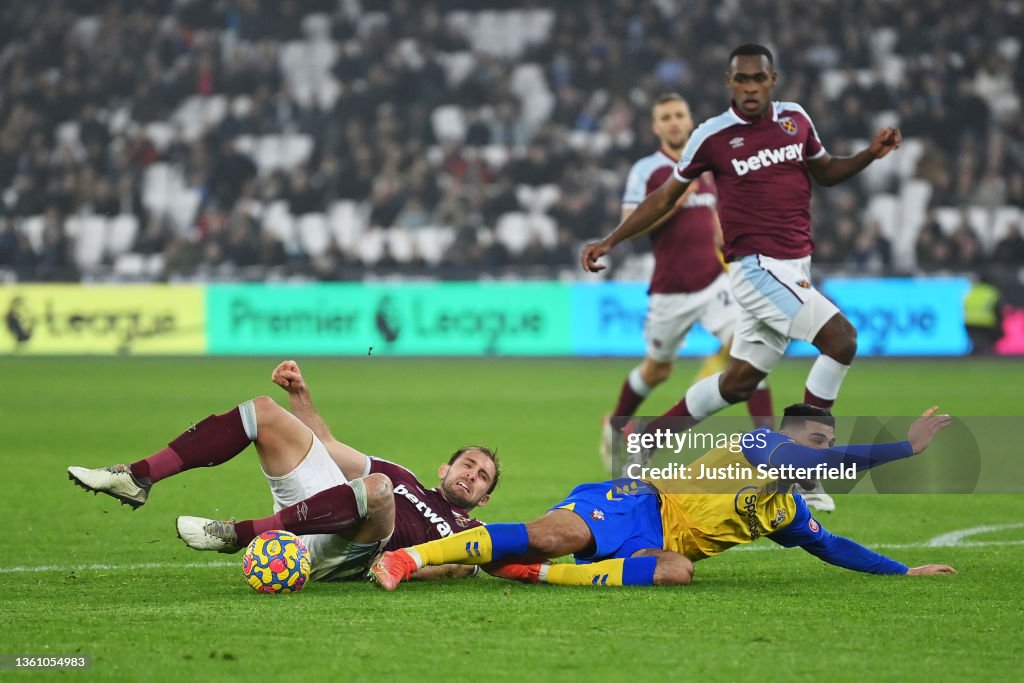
751, 78
469, 476
671, 121
809, 425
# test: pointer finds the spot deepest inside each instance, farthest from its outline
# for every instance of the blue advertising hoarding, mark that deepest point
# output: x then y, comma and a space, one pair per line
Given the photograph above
893, 317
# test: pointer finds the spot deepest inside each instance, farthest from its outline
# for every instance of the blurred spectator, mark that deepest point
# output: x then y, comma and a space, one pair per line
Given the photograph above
154, 237
302, 196
229, 173
871, 251
967, 253
1010, 249
164, 103
413, 215
934, 251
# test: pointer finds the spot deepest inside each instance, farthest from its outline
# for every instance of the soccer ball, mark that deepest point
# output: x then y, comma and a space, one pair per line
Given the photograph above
276, 562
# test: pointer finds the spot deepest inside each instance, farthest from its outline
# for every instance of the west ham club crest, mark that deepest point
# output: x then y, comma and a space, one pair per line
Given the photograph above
788, 124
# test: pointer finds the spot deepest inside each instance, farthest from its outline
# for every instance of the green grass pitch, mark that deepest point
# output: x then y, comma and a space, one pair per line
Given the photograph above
82, 574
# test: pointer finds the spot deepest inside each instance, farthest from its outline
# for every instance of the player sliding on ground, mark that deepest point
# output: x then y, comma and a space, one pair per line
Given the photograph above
628, 532
347, 506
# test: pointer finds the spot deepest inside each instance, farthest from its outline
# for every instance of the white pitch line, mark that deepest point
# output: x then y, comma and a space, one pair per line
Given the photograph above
115, 567
953, 539
898, 546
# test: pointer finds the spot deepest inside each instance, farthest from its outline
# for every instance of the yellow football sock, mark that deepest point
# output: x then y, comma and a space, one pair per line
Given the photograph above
633, 571
604, 573
468, 547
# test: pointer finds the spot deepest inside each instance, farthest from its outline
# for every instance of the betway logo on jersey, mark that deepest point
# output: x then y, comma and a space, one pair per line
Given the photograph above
700, 199
439, 522
769, 157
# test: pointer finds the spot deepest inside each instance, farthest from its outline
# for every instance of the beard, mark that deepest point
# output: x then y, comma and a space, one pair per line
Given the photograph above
457, 496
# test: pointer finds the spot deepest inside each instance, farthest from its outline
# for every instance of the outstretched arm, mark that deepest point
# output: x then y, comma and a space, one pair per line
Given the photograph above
781, 451
288, 376
652, 209
828, 170
808, 533
848, 554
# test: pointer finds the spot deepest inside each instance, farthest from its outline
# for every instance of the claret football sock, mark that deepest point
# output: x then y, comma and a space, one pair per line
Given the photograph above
633, 571
701, 400
812, 399
212, 442
480, 545
327, 512
634, 391
760, 406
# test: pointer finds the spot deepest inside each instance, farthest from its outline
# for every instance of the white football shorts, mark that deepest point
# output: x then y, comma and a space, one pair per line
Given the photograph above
778, 304
331, 557
670, 317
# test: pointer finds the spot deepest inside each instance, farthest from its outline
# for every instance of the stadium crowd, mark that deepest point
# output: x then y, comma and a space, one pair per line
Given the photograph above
346, 139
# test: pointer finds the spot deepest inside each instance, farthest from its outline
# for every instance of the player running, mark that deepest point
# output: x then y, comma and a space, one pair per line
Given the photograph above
348, 507
762, 155
688, 283
630, 532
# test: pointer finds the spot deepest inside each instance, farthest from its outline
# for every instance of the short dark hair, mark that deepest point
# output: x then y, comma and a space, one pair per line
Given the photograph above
801, 412
752, 50
489, 452
668, 97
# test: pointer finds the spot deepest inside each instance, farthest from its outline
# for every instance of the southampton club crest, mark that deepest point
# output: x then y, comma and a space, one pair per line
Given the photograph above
788, 124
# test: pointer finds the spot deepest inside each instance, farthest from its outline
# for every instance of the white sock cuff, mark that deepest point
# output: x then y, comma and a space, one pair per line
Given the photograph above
359, 488
637, 383
704, 398
248, 412
415, 555
542, 576
825, 377
763, 384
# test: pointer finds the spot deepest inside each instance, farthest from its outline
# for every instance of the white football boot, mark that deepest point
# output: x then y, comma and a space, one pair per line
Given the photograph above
816, 498
607, 442
642, 457
116, 481
200, 533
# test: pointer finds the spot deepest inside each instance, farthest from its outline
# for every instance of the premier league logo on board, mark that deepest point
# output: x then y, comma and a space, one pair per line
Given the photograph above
20, 321
788, 124
386, 319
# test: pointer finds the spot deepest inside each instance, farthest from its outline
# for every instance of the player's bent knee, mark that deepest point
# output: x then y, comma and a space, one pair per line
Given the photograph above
673, 570
850, 345
379, 492
838, 340
266, 409
655, 373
